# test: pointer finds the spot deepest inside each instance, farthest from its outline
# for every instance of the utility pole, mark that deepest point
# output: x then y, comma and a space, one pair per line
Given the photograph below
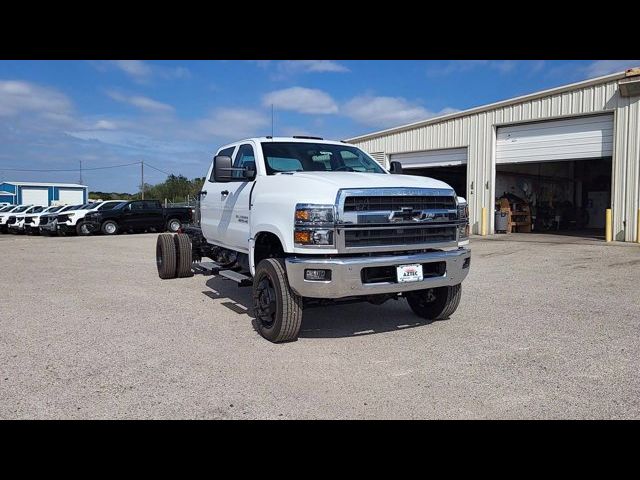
80, 172
272, 120
142, 171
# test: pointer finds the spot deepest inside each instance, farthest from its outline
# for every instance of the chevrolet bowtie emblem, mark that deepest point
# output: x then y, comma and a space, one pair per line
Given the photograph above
407, 214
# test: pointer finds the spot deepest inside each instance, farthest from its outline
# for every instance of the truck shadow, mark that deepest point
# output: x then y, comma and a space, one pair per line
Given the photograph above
335, 321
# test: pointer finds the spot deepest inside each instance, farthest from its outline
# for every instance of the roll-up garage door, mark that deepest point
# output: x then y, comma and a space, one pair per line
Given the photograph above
71, 197
432, 158
35, 196
569, 139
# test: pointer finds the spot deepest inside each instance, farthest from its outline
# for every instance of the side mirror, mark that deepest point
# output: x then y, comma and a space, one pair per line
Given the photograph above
396, 167
222, 168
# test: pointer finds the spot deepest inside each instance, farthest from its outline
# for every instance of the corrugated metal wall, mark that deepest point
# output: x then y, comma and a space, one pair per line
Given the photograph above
477, 131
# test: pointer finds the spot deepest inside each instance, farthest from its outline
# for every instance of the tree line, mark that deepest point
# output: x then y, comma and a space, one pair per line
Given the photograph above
175, 189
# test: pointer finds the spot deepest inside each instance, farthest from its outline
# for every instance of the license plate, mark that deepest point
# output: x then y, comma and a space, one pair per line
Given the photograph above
409, 273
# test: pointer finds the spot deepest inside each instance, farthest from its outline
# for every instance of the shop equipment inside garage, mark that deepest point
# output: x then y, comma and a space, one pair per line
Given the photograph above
559, 161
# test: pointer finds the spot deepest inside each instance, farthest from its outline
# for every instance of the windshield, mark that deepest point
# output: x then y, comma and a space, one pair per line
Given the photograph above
53, 209
316, 157
86, 206
6, 209
21, 209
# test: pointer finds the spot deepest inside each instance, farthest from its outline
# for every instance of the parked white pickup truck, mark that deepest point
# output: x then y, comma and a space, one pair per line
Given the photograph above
307, 221
15, 222
6, 212
32, 220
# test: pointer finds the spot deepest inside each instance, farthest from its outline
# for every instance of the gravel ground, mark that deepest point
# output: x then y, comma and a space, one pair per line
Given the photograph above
545, 329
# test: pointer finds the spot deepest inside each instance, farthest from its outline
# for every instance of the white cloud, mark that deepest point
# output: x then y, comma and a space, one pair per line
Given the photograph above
605, 67
17, 97
143, 103
463, 66
300, 99
105, 125
311, 66
234, 123
385, 112
134, 68
144, 72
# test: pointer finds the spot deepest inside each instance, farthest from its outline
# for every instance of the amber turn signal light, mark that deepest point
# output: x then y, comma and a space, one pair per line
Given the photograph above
302, 236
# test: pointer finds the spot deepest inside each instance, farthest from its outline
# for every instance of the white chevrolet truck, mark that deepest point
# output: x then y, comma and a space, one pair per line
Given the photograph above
306, 221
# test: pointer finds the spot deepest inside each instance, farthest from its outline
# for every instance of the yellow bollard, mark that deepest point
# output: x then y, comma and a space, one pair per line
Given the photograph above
608, 226
484, 222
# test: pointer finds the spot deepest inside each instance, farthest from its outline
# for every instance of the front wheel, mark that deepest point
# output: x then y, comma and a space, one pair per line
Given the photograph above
277, 308
173, 225
435, 303
82, 229
109, 227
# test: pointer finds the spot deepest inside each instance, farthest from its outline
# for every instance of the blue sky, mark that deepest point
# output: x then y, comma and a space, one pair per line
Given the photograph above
175, 114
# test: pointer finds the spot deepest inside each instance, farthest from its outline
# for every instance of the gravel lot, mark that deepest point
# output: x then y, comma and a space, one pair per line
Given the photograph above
545, 330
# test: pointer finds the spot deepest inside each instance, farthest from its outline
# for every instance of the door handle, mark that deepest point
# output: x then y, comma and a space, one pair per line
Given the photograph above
224, 192
203, 193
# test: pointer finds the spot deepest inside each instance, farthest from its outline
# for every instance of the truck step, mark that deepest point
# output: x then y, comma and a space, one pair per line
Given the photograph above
206, 268
240, 279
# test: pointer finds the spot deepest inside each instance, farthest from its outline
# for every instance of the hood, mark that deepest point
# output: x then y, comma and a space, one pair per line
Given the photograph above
366, 180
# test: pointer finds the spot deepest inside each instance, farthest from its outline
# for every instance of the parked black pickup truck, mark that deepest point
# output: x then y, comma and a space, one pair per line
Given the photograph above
138, 215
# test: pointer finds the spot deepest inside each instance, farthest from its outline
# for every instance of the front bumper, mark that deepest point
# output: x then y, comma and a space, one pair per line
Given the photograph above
65, 227
346, 273
51, 226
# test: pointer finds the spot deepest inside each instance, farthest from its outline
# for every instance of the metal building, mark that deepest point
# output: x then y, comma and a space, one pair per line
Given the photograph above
42, 193
582, 139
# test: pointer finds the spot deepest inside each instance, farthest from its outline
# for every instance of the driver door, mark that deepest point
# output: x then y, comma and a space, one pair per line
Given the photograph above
225, 207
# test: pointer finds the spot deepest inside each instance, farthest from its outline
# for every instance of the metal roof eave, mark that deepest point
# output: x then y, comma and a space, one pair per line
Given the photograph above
491, 106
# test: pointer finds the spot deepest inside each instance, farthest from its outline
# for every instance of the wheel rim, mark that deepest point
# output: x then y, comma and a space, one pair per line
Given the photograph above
265, 302
110, 228
84, 229
174, 226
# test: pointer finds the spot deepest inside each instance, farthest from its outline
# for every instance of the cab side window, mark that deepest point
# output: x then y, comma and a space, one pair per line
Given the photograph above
227, 152
244, 158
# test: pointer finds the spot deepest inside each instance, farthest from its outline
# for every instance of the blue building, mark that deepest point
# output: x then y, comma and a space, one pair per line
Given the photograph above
43, 193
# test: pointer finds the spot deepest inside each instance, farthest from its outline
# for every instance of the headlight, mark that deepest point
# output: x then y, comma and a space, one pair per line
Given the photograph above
463, 217
313, 214
313, 225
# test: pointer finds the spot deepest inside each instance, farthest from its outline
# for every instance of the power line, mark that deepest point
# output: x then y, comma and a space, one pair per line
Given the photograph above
66, 169
156, 168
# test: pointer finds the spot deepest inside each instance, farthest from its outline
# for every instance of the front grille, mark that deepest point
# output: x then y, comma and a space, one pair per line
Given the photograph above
62, 218
44, 220
11, 220
393, 203
398, 236
28, 220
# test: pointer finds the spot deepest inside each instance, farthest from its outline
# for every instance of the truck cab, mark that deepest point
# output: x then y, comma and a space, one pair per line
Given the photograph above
311, 221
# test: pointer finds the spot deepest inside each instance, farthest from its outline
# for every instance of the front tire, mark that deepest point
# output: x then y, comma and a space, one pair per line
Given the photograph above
82, 230
109, 227
277, 308
435, 303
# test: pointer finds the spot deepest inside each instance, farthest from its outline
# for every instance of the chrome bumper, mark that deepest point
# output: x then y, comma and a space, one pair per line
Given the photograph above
346, 276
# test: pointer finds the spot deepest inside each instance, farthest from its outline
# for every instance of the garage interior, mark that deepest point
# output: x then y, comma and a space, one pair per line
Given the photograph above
554, 176
446, 165
566, 197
